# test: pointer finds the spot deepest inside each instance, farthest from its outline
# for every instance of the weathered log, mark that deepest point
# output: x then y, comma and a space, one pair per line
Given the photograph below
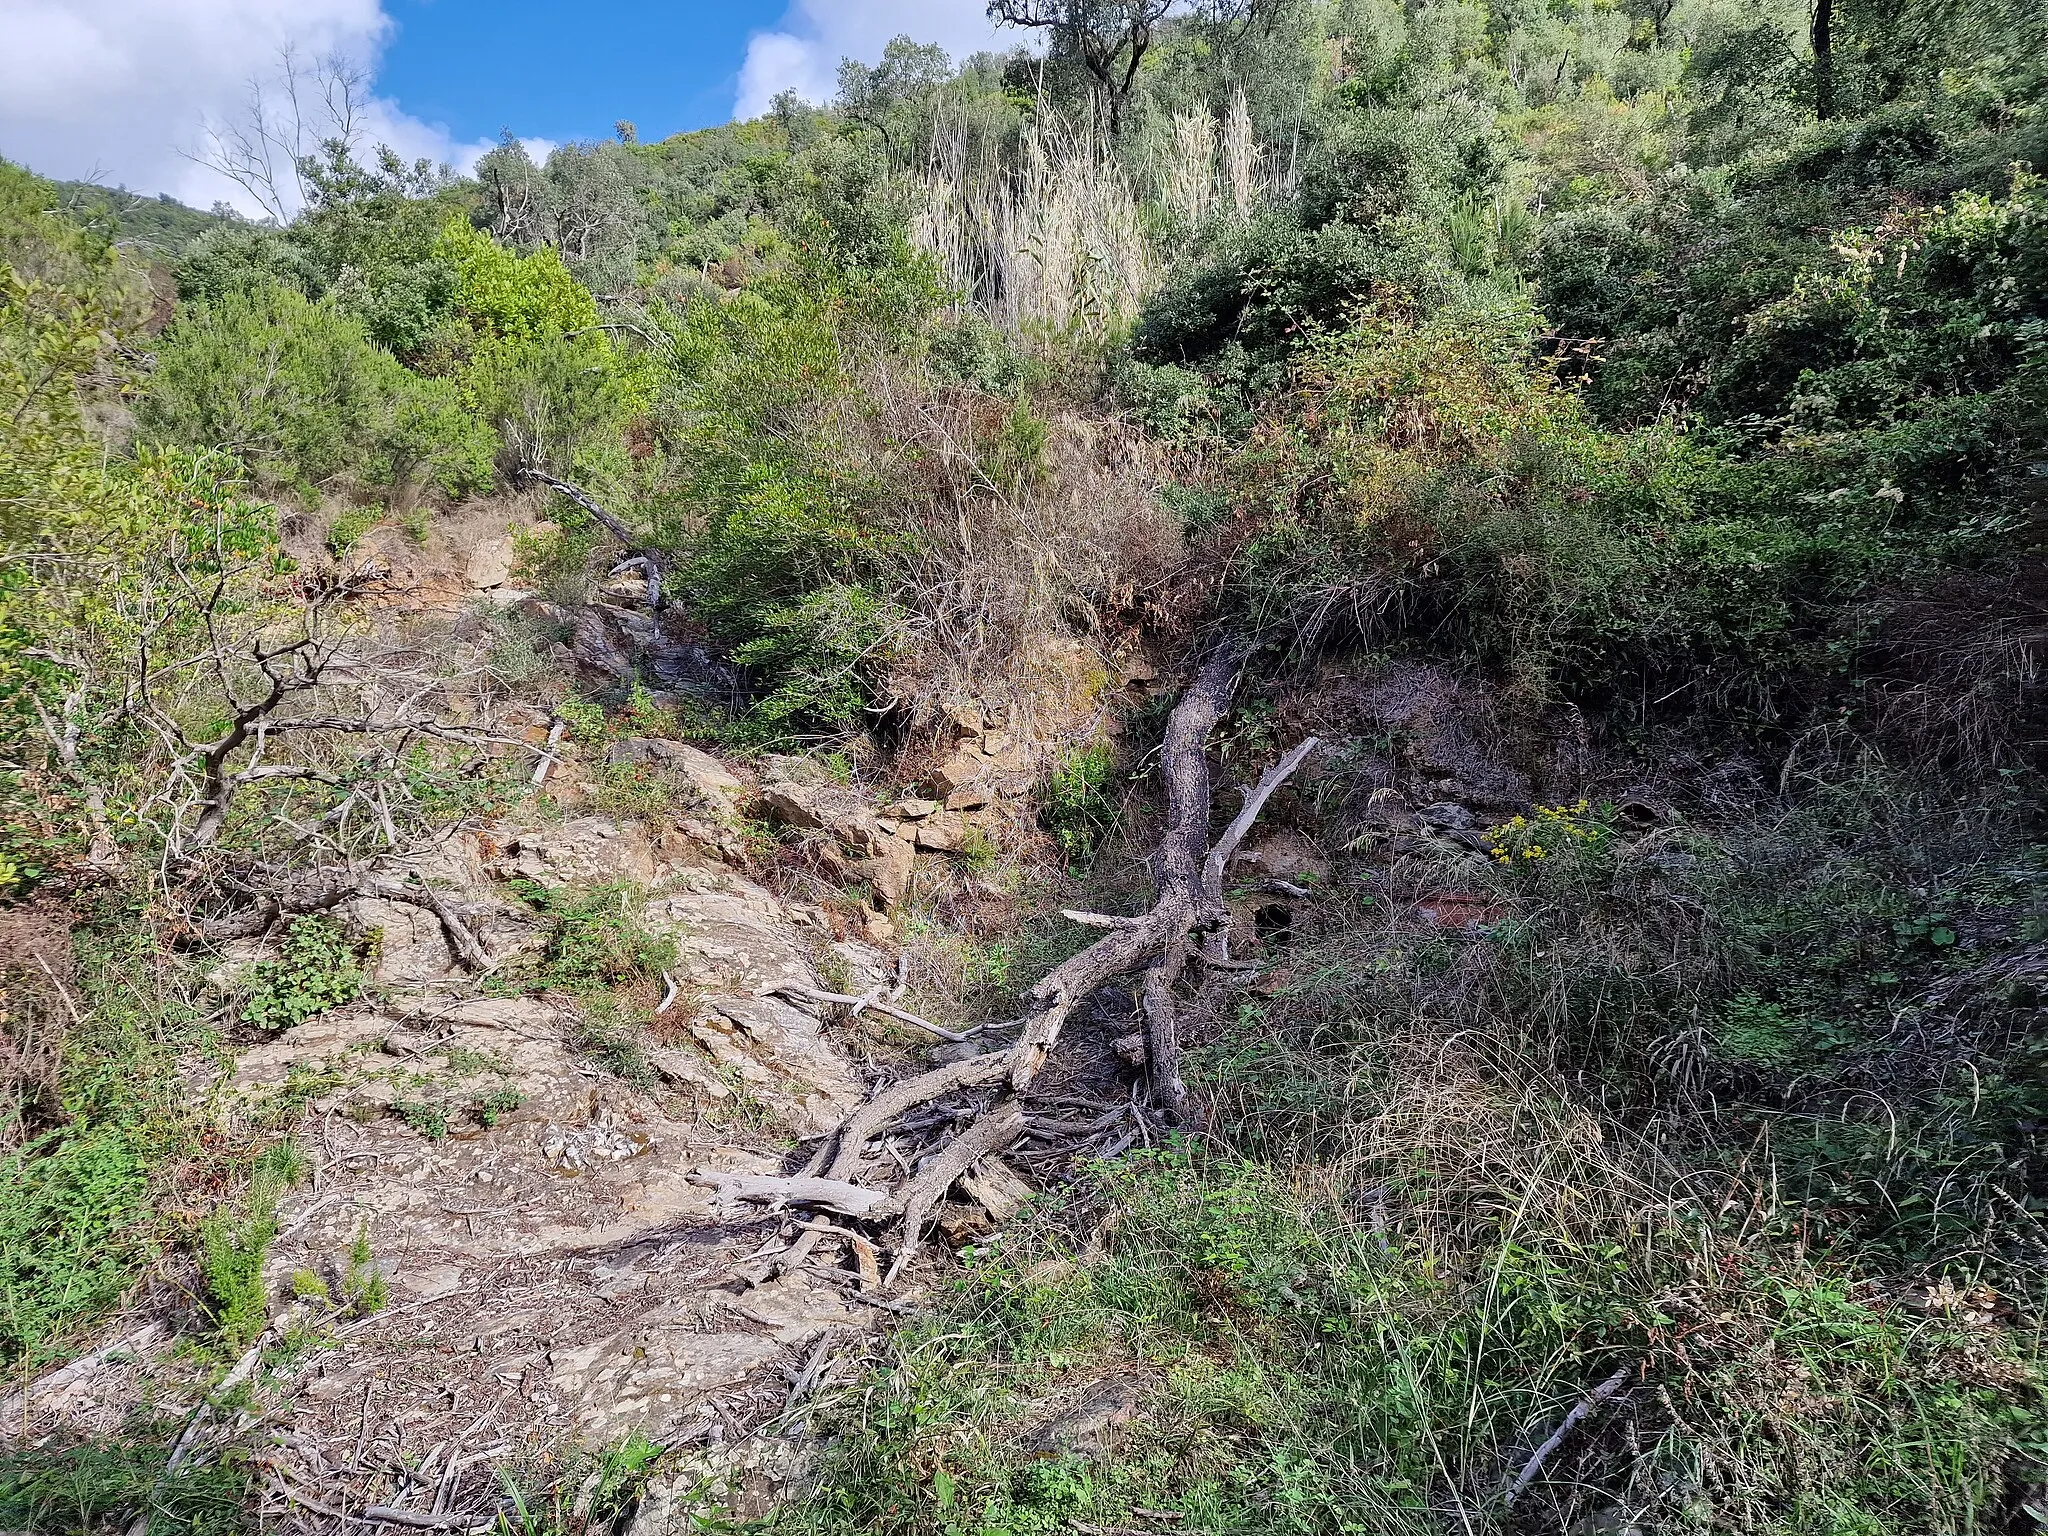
827, 1194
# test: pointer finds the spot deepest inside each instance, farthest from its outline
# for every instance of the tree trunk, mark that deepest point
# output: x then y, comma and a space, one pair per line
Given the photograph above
1822, 34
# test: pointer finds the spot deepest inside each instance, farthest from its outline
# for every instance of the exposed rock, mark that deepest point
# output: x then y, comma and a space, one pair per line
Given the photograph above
1087, 1427
718, 784
913, 810
957, 772
945, 832
789, 768
972, 798
589, 848
616, 646
1389, 810
731, 935
889, 872
491, 562
1285, 855
965, 719
832, 808
1447, 816
685, 1069
411, 948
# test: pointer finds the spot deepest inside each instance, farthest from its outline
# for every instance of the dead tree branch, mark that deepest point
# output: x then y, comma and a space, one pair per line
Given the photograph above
1190, 905
636, 548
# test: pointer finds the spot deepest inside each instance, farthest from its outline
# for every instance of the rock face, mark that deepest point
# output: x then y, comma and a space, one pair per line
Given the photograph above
615, 646
718, 786
535, 1223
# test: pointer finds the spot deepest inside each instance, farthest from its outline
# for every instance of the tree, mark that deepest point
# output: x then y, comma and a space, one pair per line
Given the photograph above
1110, 38
908, 74
271, 149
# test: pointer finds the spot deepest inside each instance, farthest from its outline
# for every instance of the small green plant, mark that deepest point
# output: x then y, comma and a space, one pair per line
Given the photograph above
494, 1106
978, 851
364, 1289
598, 940
1552, 831
423, 1115
307, 1285
315, 970
586, 721
418, 524
349, 527
234, 1243
1076, 806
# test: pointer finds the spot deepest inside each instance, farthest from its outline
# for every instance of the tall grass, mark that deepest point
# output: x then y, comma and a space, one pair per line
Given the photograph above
1058, 235
1052, 242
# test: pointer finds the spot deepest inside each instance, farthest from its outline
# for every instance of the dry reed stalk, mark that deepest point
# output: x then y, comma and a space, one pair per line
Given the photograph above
1189, 182
1055, 242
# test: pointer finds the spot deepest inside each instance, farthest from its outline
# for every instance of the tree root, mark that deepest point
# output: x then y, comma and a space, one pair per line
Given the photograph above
300, 893
1189, 920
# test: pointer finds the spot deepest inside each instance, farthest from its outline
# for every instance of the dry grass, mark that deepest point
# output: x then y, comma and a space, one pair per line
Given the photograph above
1036, 544
1052, 242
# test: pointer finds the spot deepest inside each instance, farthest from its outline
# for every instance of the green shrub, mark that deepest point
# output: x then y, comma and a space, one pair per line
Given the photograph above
315, 970
364, 1289
72, 1205
1076, 805
235, 1244
103, 1483
495, 1105
822, 655
299, 392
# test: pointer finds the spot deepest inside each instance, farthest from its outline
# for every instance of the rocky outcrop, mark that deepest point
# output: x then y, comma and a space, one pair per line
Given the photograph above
717, 786
615, 646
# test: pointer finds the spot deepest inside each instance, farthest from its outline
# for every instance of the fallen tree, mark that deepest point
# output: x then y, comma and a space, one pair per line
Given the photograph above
1188, 923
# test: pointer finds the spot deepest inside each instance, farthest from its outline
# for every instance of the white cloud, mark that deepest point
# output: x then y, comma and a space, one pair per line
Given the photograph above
115, 89
803, 54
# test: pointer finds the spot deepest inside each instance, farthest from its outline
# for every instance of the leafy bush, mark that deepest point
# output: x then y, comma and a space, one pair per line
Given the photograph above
71, 1205
315, 970
300, 393
823, 654
1075, 804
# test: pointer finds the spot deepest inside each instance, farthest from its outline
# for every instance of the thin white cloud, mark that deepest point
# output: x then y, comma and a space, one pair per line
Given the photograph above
116, 89
803, 54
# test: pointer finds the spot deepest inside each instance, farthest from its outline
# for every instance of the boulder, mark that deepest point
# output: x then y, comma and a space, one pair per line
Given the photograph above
945, 832
831, 808
411, 948
888, 872
1286, 854
718, 784
963, 768
491, 562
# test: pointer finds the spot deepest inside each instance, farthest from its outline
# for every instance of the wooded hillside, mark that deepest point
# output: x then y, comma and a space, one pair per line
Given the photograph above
1488, 553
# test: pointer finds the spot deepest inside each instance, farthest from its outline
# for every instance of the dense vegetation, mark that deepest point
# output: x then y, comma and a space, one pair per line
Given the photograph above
1672, 374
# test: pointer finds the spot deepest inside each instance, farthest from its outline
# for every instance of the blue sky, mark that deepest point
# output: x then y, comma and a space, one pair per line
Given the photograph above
554, 72
126, 92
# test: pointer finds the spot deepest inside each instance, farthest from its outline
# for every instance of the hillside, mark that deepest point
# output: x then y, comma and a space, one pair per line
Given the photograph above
1276, 769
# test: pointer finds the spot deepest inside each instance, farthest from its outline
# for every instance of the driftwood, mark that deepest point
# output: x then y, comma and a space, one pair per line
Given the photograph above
1188, 922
